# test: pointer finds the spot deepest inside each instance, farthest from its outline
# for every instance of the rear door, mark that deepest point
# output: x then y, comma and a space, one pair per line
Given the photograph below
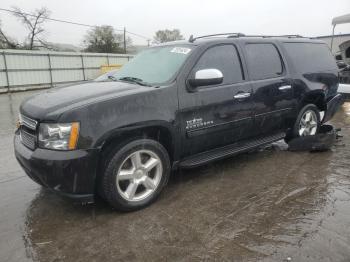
216, 115
272, 87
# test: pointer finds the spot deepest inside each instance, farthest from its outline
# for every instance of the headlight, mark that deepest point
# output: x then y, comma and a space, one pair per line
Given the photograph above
59, 136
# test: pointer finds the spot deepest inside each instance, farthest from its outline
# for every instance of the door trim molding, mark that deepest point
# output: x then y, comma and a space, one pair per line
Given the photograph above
273, 112
215, 128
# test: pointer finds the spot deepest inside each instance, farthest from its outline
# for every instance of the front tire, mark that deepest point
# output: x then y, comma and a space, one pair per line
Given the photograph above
135, 174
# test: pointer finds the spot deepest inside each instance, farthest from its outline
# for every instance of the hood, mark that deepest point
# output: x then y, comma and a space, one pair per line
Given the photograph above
51, 103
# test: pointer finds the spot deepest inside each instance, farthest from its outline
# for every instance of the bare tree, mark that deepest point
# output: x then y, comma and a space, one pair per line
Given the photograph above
5, 41
34, 22
167, 35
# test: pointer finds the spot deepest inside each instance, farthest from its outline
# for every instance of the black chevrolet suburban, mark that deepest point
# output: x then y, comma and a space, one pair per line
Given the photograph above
175, 105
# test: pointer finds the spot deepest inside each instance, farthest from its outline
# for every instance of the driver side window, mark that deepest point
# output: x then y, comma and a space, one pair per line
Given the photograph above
224, 58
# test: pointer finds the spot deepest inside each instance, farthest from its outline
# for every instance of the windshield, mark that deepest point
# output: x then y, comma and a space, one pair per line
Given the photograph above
154, 65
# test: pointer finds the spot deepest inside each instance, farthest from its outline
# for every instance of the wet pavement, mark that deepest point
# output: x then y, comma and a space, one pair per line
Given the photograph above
269, 205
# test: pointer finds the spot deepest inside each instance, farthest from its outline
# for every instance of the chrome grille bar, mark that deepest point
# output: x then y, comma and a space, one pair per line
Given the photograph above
28, 122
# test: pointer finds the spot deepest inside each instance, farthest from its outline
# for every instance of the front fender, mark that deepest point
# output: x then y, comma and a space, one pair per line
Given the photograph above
113, 133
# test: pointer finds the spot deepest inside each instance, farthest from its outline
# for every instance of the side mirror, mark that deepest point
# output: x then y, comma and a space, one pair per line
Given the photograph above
206, 77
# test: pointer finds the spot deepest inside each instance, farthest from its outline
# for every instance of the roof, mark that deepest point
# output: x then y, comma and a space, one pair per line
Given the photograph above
234, 37
344, 19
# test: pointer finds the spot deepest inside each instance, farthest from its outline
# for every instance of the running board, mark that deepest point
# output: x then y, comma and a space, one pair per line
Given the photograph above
230, 150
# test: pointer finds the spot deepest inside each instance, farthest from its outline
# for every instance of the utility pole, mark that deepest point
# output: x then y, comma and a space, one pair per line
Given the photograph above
124, 40
148, 40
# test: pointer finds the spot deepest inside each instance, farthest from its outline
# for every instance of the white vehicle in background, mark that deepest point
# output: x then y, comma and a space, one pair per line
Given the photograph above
344, 89
344, 73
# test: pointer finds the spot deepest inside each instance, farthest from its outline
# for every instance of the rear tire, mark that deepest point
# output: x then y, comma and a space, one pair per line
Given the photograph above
307, 123
135, 174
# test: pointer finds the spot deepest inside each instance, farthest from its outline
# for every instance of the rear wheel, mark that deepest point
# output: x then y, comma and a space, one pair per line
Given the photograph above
135, 174
306, 124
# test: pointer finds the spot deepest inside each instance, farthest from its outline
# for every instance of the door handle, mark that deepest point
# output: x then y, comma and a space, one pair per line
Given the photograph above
241, 96
285, 87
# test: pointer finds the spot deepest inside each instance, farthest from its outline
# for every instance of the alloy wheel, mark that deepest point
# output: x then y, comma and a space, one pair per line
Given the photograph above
308, 123
139, 175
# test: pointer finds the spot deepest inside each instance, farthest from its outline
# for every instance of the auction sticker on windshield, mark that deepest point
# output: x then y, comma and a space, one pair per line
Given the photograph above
180, 50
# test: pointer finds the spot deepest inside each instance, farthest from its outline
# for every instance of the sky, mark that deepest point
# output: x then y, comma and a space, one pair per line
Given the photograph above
197, 17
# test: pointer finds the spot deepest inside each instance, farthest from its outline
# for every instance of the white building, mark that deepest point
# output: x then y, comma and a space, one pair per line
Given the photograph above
339, 40
339, 44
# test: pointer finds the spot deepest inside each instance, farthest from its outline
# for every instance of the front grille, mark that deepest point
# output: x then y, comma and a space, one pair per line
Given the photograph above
27, 139
28, 131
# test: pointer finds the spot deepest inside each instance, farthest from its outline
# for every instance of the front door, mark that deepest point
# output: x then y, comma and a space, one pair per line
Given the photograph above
216, 115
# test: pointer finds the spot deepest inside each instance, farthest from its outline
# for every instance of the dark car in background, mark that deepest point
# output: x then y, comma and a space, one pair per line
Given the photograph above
176, 105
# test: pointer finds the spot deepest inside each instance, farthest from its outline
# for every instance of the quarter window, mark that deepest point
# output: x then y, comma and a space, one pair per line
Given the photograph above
263, 61
310, 57
224, 58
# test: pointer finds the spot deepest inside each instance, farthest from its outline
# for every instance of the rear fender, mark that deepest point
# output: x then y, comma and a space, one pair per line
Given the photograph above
332, 107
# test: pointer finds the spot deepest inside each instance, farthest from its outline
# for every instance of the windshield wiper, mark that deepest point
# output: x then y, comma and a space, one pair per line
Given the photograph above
134, 80
112, 78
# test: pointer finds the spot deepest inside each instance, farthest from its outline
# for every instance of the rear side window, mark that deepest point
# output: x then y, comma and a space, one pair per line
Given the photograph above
310, 57
224, 58
263, 61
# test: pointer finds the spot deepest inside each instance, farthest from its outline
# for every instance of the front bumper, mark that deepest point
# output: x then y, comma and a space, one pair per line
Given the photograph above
70, 173
332, 107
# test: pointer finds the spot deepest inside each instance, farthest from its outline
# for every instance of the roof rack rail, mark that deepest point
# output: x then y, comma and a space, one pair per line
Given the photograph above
192, 39
267, 36
232, 35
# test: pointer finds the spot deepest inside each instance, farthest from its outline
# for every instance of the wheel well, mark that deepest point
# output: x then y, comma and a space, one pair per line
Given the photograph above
157, 133
317, 99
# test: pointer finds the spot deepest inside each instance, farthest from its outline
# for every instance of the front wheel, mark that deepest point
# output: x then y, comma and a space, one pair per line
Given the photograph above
306, 124
136, 174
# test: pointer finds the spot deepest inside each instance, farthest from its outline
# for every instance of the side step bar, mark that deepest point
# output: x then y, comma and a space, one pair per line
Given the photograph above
230, 150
